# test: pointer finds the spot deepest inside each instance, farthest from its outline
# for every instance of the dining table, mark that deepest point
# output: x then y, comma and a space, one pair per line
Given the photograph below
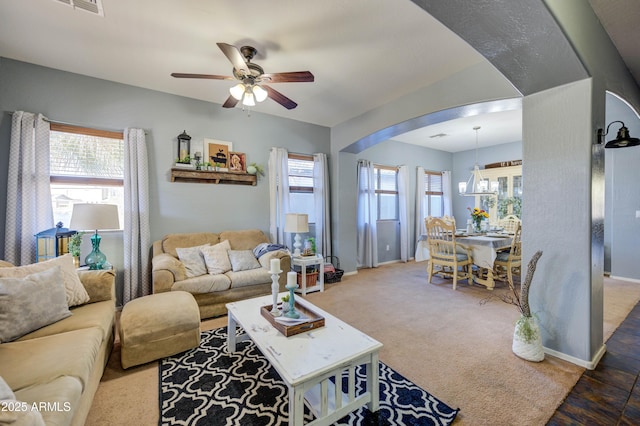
484, 249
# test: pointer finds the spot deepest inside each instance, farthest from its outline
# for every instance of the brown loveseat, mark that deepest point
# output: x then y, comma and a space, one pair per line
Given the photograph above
213, 290
55, 370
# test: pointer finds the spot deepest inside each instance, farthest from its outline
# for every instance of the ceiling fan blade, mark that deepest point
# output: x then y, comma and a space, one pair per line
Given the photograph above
209, 76
279, 97
233, 54
230, 102
288, 77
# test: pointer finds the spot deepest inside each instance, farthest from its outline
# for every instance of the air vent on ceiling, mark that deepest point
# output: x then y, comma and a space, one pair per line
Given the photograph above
92, 6
439, 135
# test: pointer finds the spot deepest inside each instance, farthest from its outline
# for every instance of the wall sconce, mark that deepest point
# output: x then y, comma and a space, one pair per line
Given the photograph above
622, 140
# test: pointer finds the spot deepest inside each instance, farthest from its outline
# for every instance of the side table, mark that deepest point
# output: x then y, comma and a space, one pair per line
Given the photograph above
303, 262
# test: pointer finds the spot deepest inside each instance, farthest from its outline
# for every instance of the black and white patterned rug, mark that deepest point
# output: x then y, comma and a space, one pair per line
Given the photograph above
208, 386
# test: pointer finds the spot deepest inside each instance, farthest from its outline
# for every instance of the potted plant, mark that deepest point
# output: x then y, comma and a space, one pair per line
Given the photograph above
255, 169
285, 303
74, 247
527, 342
503, 207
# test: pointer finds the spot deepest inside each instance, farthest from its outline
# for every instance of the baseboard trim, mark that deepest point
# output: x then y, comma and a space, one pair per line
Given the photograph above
589, 365
632, 280
388, 262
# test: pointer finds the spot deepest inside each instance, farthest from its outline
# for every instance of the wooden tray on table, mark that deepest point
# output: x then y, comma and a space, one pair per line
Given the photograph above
313, 321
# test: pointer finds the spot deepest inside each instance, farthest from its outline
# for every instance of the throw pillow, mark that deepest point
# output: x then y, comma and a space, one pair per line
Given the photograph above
17, 412
75, 291
192, 259
243, 260
217, 258
30, 303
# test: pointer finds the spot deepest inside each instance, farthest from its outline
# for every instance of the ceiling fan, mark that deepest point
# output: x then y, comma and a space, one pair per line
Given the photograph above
252, 78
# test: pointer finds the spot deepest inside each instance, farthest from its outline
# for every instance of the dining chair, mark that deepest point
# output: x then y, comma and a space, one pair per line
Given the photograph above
509, 223
510, 260
447, 257
445, 218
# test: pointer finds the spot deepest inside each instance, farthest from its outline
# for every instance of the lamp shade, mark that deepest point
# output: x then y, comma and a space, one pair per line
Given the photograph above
623, 139
260, 93
296, 222
237, 91
94, 217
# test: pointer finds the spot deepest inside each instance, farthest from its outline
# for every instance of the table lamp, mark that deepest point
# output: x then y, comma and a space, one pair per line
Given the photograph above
94, 217
296, 222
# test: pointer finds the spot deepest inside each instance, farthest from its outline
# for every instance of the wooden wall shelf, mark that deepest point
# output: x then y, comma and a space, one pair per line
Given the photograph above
204, 176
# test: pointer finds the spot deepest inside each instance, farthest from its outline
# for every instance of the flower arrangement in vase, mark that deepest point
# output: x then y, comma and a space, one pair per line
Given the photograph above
477, 216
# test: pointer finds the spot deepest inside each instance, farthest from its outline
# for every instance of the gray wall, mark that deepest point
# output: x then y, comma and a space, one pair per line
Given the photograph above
622, 197
374, 126
175, 207
393, 153
557, 150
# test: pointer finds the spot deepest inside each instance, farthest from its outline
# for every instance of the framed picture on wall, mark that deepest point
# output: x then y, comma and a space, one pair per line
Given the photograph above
216, 152
237, 162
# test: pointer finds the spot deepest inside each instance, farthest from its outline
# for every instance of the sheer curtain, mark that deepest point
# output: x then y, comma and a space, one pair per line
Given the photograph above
367, 245
278, 193
421, 214
321, 198
447, 196
136, 235
29, 209
403, 211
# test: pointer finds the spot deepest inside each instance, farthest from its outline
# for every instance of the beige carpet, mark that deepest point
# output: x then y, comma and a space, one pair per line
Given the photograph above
446, 342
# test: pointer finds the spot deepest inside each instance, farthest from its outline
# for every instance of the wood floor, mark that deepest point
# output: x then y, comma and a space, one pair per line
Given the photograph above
610, 394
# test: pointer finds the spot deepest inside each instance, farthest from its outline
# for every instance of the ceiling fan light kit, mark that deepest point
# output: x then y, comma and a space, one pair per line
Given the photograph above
252, 87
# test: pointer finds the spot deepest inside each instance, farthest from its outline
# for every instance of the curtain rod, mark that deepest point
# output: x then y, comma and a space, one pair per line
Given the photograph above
48, 120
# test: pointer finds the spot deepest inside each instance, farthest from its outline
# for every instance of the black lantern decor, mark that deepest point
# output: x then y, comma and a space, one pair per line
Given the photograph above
184, 147
52, 243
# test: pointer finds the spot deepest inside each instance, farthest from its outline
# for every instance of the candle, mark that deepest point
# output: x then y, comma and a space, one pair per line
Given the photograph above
292, 279
275, 266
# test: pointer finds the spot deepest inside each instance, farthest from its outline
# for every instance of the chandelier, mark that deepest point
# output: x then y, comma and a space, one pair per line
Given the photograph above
477, 185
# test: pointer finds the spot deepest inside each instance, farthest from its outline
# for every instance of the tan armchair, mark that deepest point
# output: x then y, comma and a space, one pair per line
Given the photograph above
510, 260
446, 256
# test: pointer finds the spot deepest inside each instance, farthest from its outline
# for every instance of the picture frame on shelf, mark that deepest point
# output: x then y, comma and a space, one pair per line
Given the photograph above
216, 152
237, 162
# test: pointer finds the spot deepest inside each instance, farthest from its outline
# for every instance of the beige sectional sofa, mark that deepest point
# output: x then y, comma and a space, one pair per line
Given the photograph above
213, 288
55, 370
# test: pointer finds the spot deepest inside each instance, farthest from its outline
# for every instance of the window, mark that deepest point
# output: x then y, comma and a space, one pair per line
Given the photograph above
301, 198
87, 166
386, 185
433, 195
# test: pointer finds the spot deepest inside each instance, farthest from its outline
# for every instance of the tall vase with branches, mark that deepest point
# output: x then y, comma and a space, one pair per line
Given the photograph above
527, 342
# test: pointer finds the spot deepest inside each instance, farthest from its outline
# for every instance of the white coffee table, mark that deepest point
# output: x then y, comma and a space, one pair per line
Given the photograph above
306, 362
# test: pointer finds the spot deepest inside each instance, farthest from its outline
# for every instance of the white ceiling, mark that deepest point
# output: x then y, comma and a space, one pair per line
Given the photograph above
363, 53
459, 135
